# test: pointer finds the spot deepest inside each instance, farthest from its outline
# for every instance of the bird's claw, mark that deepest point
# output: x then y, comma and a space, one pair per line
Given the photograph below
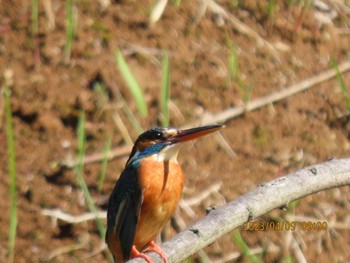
136, 254
155, 248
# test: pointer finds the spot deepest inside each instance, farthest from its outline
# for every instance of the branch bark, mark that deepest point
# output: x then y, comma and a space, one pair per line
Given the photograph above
266, 197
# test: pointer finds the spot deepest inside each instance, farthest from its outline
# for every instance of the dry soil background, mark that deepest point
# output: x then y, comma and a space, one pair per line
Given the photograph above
47, 95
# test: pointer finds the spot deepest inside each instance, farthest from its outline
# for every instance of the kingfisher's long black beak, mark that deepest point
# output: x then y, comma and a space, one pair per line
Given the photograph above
194, 133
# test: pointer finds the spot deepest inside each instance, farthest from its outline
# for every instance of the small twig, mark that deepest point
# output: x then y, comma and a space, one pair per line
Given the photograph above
100, 249
184, 205
96, 157
131, 49
63, 216
263, 101
186, 208
64, 250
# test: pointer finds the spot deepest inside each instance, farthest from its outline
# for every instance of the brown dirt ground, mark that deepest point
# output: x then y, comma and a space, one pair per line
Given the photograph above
48, 94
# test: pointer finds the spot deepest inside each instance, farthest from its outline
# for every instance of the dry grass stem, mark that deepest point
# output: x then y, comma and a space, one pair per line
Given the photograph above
242, 28
50, 15
225, 145
298, 254
122, 128
274, 97
157, 11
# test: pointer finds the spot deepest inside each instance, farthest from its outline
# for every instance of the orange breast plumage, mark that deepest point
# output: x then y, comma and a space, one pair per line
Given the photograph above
162, 184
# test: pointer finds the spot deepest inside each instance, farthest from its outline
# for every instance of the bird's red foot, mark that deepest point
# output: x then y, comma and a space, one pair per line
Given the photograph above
136, 254
155, 248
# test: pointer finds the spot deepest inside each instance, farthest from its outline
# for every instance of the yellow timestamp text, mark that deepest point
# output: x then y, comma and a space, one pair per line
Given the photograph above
285, 226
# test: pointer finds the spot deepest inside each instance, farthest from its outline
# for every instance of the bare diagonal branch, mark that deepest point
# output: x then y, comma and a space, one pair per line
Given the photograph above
264, 198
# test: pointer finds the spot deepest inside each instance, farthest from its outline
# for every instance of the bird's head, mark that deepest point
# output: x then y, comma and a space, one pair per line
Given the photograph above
165, 142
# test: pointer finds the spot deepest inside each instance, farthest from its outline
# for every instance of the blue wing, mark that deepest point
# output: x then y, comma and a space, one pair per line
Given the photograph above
124, 210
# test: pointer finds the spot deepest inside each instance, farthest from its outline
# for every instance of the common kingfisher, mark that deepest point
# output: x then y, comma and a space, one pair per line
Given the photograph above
147, 192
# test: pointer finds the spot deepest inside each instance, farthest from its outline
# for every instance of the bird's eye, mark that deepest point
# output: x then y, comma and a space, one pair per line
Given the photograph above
158, 135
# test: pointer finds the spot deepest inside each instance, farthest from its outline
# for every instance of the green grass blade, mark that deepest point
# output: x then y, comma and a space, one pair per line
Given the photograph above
247, 90
237, 238
81, 182
344, 91
165, 91
271, 8
12, 172
35, 17
232, 62
131, 83
177, 3
79, 174
104, 164
69, 30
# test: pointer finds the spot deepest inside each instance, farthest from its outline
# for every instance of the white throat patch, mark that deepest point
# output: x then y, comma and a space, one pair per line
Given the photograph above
169, 153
